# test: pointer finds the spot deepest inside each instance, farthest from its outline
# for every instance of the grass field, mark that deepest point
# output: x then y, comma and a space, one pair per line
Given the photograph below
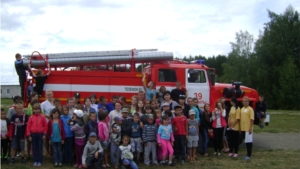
273, 159
281, 122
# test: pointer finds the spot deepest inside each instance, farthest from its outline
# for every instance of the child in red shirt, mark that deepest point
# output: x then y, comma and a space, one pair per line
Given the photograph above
179, 128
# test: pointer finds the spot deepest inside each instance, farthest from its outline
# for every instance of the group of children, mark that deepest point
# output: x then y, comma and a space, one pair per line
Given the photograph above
127, 135
128, 132
145, 128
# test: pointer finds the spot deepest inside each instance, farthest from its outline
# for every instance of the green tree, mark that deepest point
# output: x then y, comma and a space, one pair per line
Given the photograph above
239, 67
278, 54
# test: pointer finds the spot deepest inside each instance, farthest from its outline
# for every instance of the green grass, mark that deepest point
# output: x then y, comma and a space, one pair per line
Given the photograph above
266, 159
281, 121
6, 103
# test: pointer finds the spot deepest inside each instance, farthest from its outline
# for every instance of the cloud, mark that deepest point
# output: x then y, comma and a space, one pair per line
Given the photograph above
182, 27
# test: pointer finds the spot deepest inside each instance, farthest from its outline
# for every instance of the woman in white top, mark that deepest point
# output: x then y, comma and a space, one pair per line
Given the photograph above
114, 113
218, 125
47, 106
94, 103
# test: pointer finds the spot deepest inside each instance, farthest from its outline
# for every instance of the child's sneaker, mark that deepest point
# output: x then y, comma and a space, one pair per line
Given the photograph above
56, 165
59, 164
39, 164
182, 162
230, 154
171, 164
12, 162
215, 153
23, 160
235, 155
35, 164
247, 158
219, 154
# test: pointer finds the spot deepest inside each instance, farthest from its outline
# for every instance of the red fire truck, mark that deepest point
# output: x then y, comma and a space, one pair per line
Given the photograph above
115, 73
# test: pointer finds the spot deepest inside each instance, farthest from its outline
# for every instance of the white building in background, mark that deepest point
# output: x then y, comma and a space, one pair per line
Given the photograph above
10, 86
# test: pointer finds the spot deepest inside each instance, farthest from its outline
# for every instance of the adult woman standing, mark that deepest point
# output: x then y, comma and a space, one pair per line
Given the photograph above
94, 103
114, 113
234, 127
218, 125
246, 122
204, 127
47, 106
168, 99
87, 109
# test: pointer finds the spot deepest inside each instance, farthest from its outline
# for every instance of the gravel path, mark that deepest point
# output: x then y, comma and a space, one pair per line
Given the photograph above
285, 141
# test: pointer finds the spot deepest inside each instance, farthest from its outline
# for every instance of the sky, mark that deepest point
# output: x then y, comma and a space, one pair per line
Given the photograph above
191, 27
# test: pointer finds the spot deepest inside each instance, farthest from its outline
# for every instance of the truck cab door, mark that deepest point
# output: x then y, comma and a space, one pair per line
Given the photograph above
197, 85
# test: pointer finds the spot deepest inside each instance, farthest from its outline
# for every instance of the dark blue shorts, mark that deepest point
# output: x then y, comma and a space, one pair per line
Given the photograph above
18, 142
259, 115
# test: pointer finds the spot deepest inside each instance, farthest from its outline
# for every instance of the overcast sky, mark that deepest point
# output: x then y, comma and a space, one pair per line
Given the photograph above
190, 27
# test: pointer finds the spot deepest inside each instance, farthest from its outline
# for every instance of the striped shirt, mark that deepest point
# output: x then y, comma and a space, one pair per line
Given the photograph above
149, 133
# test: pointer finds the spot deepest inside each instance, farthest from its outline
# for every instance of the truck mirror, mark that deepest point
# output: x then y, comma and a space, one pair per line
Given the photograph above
212, 78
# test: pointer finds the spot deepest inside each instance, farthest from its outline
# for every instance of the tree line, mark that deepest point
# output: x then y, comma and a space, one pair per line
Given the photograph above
269, 64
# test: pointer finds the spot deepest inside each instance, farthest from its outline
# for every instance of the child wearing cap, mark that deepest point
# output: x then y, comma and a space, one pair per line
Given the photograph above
179, 127
115, 139
165, 107
192, 135
126, 123
92, 153
78, 127
149, 139
76, 99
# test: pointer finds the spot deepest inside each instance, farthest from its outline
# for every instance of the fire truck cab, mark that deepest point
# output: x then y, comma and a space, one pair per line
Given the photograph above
198, 81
